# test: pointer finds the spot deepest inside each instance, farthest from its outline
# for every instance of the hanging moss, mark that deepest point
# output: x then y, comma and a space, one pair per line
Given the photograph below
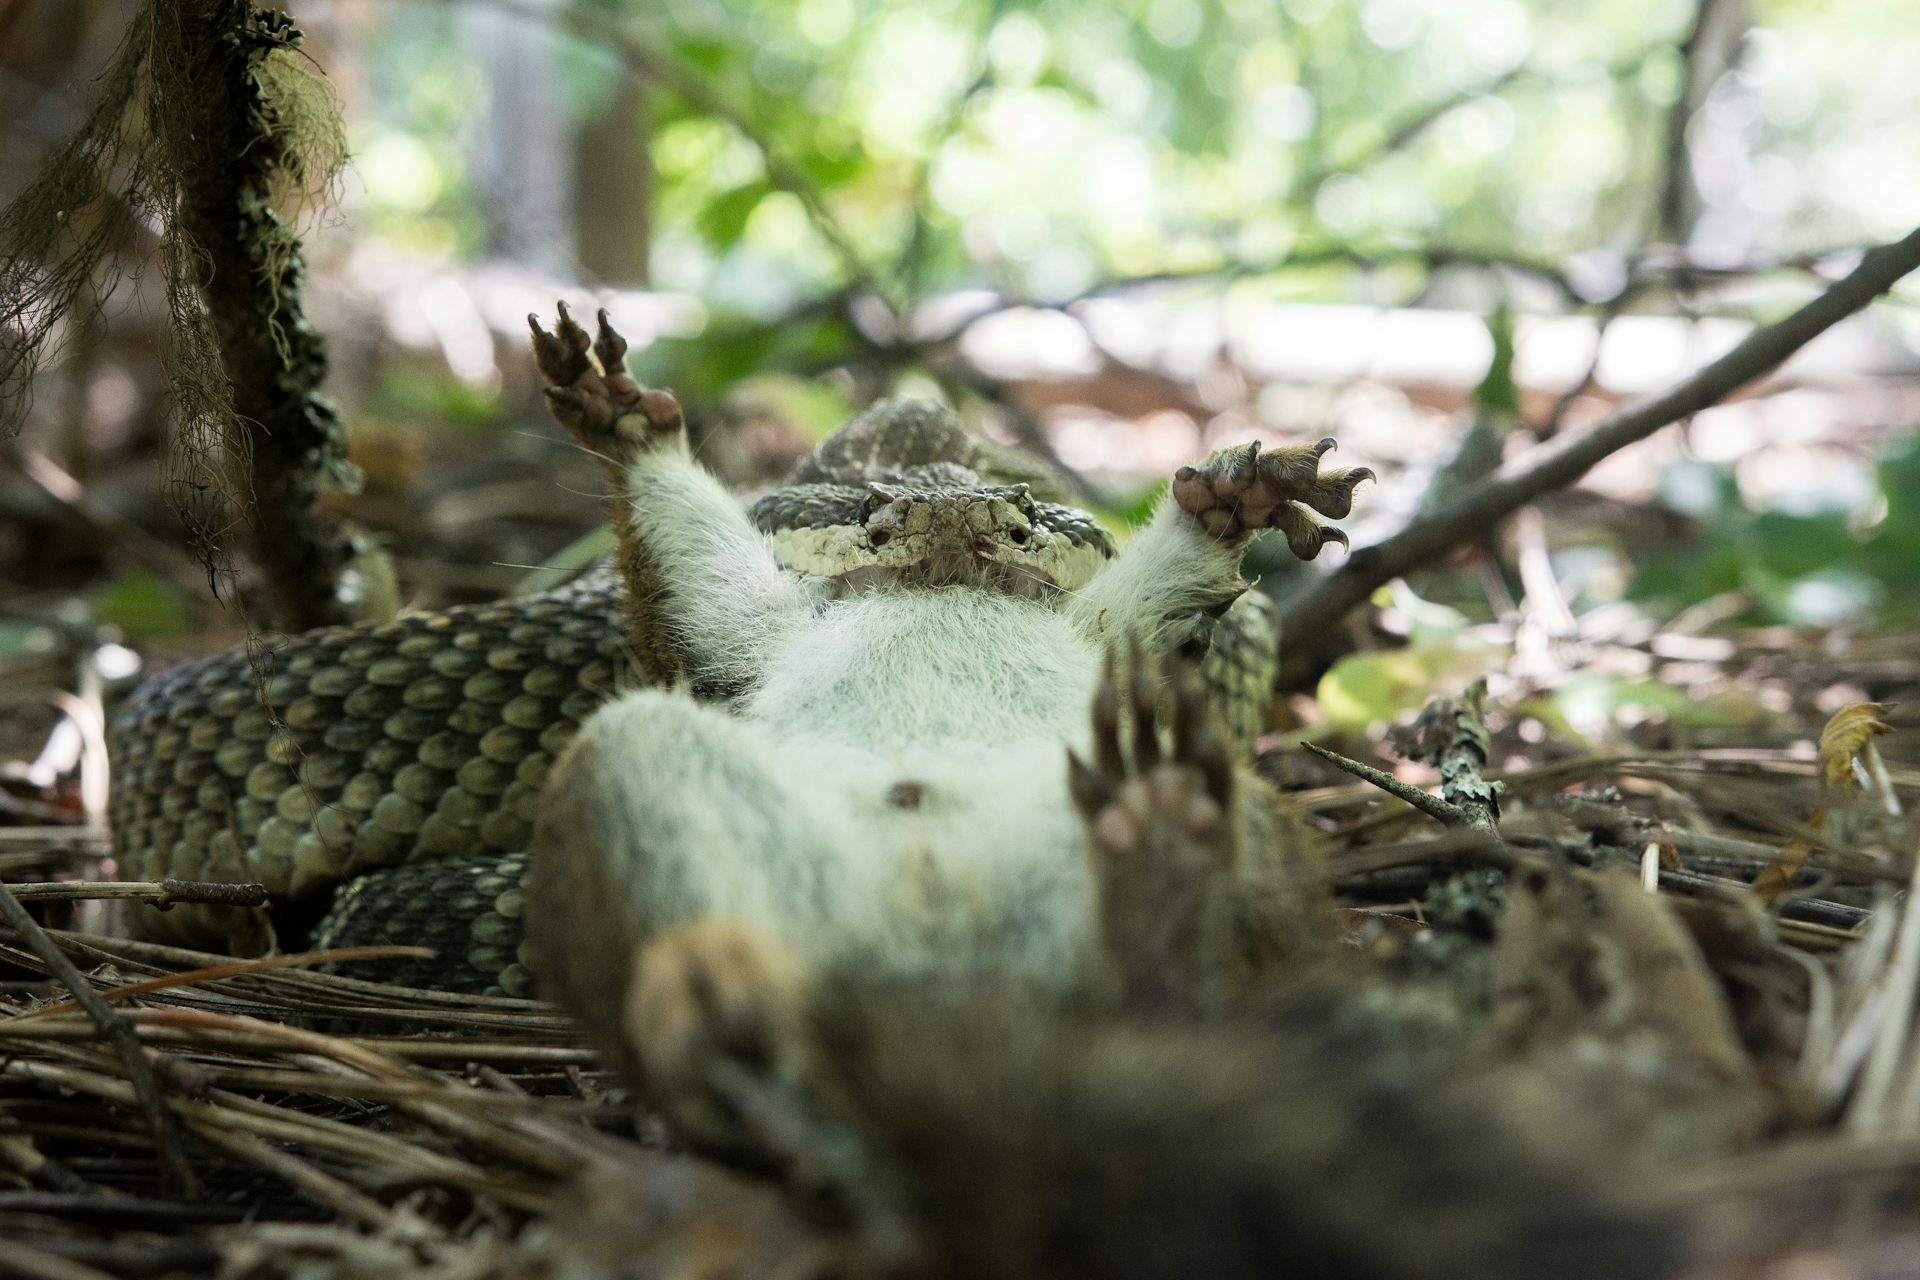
208, 122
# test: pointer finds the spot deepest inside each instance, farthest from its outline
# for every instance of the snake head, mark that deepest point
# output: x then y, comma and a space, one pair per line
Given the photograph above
888, 513
900, 530
983, 522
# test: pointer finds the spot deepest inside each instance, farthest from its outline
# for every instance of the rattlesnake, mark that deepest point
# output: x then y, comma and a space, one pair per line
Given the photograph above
381, 779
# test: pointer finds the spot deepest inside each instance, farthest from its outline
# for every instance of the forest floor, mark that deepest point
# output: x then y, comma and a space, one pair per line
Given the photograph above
424, 1138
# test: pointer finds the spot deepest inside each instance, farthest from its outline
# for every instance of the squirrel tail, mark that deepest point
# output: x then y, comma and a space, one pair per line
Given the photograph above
1013, 1141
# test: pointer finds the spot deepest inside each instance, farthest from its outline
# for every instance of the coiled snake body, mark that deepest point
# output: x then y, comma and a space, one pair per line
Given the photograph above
319, 758
381, 779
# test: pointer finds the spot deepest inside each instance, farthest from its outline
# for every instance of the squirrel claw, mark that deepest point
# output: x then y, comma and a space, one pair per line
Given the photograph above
1332, 492
609, 347
1237, 491
594, 397
1306, 535
561, 363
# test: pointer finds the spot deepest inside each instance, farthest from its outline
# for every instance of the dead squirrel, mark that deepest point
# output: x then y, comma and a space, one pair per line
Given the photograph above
977, 932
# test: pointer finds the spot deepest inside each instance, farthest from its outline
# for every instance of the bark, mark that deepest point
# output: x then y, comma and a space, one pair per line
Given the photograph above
287, 439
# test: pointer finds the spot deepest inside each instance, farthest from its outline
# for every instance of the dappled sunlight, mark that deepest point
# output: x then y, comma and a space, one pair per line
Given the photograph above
1048, 581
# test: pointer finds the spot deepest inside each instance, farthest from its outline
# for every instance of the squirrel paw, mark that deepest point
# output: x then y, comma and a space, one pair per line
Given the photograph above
713, 1010
594, 397
1236, 491
1157, 803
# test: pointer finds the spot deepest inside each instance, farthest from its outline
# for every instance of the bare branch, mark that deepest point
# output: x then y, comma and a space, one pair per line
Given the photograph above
1311, 615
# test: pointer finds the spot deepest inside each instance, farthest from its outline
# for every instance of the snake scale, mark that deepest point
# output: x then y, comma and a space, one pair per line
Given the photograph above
380, 780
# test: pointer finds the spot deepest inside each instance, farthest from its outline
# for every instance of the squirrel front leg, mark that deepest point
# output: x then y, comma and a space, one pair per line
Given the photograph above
704, 595
1184, 566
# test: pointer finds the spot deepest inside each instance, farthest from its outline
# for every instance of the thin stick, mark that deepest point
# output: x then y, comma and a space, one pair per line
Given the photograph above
120, 1034
321, 1188
240, 968
1431, 805
161, 893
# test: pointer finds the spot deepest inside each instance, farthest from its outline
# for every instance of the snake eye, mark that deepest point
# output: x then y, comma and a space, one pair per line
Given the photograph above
878, 538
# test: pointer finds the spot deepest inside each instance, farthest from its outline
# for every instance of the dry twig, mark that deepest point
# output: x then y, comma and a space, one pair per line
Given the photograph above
118, 1032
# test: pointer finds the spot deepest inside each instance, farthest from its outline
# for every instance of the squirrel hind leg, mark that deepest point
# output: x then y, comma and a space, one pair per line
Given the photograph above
714, 1017
663, 812
1206, 887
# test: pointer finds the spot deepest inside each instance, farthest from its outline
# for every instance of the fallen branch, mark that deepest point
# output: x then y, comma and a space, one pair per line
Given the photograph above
1431, 805
1312, 614
1451, 735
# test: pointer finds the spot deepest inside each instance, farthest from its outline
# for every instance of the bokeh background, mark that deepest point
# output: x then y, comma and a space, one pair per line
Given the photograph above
1123, 233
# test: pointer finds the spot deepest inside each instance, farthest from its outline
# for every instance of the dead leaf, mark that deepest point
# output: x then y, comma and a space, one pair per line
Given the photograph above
1845, 738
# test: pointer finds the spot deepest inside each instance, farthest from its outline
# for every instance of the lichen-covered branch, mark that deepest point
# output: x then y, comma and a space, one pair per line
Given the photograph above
1451, 735
206, 119
226, 123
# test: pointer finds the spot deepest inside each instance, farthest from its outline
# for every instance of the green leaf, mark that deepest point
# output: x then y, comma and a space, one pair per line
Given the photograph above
833, 167
142, 607
1498, 393
1363, 689
724, 219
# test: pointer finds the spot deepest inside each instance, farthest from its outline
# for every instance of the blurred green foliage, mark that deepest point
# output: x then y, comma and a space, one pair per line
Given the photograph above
1045, 148
1363, 690
142, 607
1818, 568
415, 391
